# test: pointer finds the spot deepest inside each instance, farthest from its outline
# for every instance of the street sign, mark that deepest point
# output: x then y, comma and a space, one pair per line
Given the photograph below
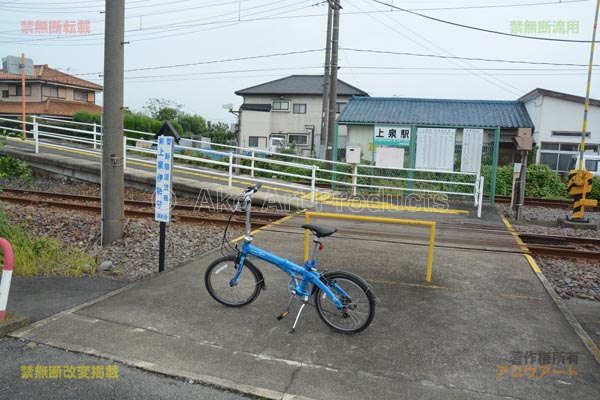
164, 179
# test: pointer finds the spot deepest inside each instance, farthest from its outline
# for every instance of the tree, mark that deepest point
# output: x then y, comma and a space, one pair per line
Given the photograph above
162, 109
192, 124
219, 132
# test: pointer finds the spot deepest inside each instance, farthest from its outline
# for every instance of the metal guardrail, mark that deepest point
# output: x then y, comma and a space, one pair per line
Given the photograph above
229, 160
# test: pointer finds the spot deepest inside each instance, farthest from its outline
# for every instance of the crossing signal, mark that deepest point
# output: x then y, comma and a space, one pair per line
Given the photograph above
579, 187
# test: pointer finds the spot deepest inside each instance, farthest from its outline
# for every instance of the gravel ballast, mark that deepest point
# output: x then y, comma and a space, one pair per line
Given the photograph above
131, 258
569, 277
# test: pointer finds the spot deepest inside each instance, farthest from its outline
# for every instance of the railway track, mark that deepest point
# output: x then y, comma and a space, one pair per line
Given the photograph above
135, 208
562, 246
549, 203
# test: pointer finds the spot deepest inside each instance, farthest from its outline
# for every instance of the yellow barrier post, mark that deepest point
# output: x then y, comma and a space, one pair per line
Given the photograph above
430, 224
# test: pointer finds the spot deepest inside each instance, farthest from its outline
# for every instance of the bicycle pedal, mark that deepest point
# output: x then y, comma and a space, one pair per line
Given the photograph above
282, 315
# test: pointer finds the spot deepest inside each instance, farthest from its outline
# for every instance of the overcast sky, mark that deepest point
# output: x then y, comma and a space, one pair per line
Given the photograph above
209, 33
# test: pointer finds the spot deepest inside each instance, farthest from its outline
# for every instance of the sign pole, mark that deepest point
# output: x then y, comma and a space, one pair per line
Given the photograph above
162, 194
161, 248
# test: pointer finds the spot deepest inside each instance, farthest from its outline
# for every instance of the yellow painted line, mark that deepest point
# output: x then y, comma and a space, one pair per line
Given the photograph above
513, 232
389, 206
278, 222
325, 198
589, 343
418, 285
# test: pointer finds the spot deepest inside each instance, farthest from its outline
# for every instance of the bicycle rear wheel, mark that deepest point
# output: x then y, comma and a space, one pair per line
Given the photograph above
359, 304
218, 279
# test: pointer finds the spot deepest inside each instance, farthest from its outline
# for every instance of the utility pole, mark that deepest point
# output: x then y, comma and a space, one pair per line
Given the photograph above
579, 185
335, 38
325, 112
112, 131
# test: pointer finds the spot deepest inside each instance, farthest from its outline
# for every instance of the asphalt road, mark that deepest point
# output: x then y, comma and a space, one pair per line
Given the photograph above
40, 297
131, 383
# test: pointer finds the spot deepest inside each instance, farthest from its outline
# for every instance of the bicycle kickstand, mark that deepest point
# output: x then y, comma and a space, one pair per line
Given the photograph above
304, 301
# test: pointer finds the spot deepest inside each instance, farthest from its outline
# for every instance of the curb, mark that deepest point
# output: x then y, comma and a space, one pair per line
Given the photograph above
12, 323
583, 335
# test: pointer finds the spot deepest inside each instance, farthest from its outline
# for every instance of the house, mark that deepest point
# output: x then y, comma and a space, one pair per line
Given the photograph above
48, 92
418, 126
289, 108
558, 120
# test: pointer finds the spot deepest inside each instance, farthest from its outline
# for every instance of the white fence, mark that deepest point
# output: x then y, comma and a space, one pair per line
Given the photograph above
258, 166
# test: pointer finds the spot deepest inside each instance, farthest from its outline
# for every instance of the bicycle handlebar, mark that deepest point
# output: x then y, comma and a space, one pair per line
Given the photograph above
253, 189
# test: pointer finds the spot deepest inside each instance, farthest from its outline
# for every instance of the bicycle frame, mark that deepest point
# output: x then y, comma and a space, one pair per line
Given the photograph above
307, 272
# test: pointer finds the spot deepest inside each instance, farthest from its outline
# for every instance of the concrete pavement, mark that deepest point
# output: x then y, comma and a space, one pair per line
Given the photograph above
451, 339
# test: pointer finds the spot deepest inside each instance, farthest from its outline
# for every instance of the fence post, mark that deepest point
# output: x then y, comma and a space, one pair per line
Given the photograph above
95, 140
253, 153
313, 182
9, 260
230, 169
124, 152
481, 186
36, 137
354, 178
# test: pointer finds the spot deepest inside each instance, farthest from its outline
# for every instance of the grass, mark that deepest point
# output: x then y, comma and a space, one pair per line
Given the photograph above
44, 256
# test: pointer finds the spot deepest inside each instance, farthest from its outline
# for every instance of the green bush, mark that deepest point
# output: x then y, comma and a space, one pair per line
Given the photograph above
12, 168
595, 188
542, 182
44, 256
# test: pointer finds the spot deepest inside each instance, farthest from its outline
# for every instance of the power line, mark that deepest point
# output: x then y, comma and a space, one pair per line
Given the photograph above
443, 21
467, 58
499, 5
215, 61
482, 75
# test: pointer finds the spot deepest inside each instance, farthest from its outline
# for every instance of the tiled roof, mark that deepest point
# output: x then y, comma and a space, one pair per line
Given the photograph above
300, 84
44, 73
480, 113
54, 107
557, 95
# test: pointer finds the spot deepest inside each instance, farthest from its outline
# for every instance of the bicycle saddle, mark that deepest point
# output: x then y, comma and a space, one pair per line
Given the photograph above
320, 231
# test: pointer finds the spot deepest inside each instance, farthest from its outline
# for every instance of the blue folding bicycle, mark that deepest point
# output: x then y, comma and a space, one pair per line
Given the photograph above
344, 301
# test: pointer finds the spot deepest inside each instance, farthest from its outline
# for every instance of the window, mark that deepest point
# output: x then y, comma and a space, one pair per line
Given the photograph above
299, 108
50, 91
80, 95
282, 105
591, 165
5, 93
253, 141
558, 156
27, 90
339, 107
298, 139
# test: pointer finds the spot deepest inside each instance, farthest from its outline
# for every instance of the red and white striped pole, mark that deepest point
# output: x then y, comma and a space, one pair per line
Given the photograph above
9, 260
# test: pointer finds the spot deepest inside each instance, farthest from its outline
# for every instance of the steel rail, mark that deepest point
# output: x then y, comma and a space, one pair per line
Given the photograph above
134, 213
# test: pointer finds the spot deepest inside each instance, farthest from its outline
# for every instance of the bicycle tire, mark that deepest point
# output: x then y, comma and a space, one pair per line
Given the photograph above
247, 288
358, 314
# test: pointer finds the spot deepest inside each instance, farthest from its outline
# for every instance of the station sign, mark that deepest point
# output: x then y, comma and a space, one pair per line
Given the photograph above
164, 179
391, 136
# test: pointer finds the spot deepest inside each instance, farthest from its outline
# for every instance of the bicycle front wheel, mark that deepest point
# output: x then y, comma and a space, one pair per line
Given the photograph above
218, 280
356, 296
